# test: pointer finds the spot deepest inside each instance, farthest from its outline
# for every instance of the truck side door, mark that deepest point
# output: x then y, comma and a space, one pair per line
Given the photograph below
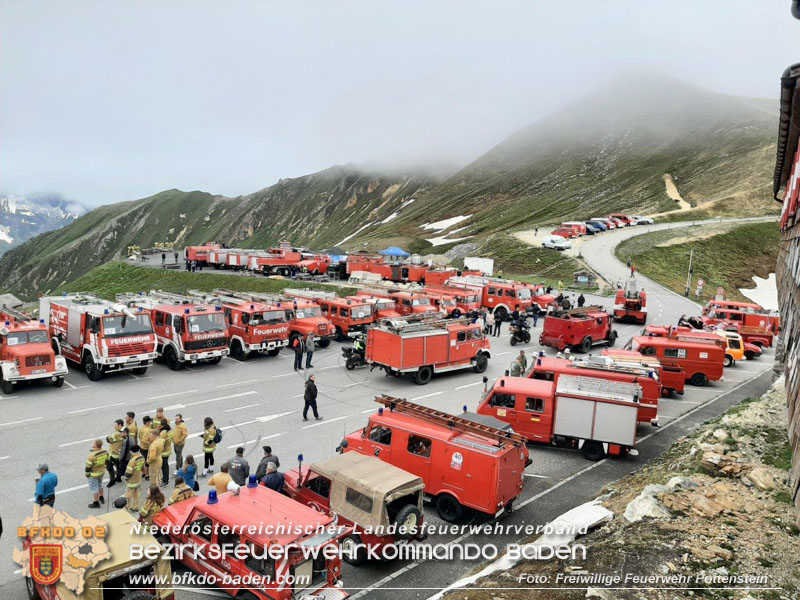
503, 407
379, 441
535, 417
200, 535
418, 459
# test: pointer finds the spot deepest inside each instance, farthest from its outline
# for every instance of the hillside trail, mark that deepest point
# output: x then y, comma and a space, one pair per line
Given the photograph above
672, 192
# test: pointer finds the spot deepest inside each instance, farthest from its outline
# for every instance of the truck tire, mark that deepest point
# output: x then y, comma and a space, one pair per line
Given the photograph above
90, 368
407, 520
612, 339
6, 386
423, 375
30, 587
58, 382
273, 352
171, 358
324, 343
698, 379
139, 370
449, 508
501, 313
593, 451
237, 351
728, 361
481, 363
351, 553
749, 355
586, 344
339, 334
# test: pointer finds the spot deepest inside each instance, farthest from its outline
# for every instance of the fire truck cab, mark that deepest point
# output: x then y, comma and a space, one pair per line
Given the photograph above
99, 335
467, 301
700, 359
464, 464
444, 301
346, 314
754, 328
730, 340
382, 308
199, 253
187, 331
501, 296
577, 328
26, 353
284, 543
596, 416
630, 303
772, 317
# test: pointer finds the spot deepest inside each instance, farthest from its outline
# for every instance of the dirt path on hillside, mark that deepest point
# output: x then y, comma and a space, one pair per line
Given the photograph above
672, 192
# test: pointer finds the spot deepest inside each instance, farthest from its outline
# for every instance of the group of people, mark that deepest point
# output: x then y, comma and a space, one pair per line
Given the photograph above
303, 346
193, 265
164, 258
565, 302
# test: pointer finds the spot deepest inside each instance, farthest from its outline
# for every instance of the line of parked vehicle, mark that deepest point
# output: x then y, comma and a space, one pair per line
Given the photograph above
559, 238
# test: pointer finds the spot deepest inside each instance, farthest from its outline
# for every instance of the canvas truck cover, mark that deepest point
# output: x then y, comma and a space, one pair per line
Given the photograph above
118, 539
372, 477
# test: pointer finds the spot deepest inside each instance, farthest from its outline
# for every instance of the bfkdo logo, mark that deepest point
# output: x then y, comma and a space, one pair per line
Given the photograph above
46, 562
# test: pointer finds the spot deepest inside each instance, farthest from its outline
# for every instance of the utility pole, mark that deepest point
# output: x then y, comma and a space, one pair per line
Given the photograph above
689, 274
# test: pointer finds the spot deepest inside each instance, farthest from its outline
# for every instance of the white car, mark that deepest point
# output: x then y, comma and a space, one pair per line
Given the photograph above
644, 220
556, 242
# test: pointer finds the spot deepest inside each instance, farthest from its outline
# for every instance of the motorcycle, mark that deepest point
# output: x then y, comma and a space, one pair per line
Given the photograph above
354, 356
520, 332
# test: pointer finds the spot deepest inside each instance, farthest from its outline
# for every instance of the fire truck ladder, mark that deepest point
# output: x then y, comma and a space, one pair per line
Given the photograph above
437, 417
605, 363
480, 280
310, 294
420, 322
12, 313
577, 312
255, 296
599, 388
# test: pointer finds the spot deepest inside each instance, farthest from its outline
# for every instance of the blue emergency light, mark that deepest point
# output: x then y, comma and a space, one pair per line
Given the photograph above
186, 310
252, 482
105, 311
380, 411
41, 321
218, 307
8, 323
465, 408
252, 306
541, 353
538, 362
212, 497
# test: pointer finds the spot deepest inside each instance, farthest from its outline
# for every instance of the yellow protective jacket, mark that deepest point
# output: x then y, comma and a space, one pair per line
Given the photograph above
209, 445
179, 434
155, 451
133, 430
167, 437
144, 437
181, 492
96, 463
149, 510
133, 474
114, 444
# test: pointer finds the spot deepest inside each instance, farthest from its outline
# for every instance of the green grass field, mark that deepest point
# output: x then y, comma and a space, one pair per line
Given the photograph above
108, 280
728, 259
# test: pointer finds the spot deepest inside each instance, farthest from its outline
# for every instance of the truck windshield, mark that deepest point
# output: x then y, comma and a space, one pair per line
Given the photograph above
524, 294
308, 311
470, 298
360, 312
420, 302
267, 318
26, 337
124, 325
206, 323
447, 301
384, 305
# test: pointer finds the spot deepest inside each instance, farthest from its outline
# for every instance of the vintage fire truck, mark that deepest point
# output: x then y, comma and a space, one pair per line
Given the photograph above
467, 301
671, 377
382, 308
754, 328
578, 329
346, 314
339, 484
200, 253
188, 331
730, 340
229, 258
25, 352
772, 317
701, 359
501, 296
252, 326
406, 303
304, 316
596, 416
609, 369
275, 261
99, 335
630, 303
438, 276
444, 301
464, 463
423, 346
398, 272
316, 264
281, 543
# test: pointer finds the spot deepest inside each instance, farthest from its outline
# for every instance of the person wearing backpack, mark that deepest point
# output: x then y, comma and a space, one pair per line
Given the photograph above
211, 437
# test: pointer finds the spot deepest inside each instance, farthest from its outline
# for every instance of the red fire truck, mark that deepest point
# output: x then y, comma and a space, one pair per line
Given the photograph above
286, 556
199, 253
275, 261
442, 300
398, 272
406, 303
609, 369
99, 335
253, 326
229, 258
347, 315
467, 300
26, 353
773, 318
672, 377
501, 296
701, 360
187, 331
304, 316
382, 308
316, 264
423, 347
630, 303
596, 416
463, 462
577, 328
439, 275
754, 328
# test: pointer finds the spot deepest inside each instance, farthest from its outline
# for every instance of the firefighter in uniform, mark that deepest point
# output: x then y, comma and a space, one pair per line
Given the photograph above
166, 435
133, 428
181, 491
133, 478
179, 435
114, 446
153, 505
144, 433
95, 467
154, 458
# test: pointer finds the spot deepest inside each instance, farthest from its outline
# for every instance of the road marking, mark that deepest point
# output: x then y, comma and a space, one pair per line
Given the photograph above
502, 353
537, 476
325, 368
78, 442
74, 387
461, 387
4, 457
324, 422
239, 395
69, 385
72, 489
275, 416
285, 375
681, 401
224, 385
132, 375
242, 407
80, 410
172, 394
140, 377
20, 421
426, 396
356, 383
369, 410
266, 437
238, 362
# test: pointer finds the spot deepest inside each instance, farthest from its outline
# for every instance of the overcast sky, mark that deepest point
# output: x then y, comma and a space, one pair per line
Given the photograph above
106, 101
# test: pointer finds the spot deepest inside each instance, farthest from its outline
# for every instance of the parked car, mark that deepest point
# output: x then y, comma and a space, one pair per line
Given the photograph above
556, 242
645, 220
565, 232
607, 222
597, 226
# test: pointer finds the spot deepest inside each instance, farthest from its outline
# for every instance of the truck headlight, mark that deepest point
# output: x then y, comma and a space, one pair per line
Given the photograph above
14, 371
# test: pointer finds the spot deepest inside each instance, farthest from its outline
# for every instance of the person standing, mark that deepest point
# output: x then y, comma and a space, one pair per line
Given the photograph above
154, 458
176, 258
239, 467
144, 433
181, 492
221, 480
490, 318
95, 467
523, 360
114, 446
209, 445
188, 472
133, 428
269, 457
179, 435
497, 323
163, 258
166, 436
124, 453
310, 398
565, 303
516, 368
45, 486
273, 479
133, 478
535, 310
153, 505
581, 300
160, 416
298, 345
310, 347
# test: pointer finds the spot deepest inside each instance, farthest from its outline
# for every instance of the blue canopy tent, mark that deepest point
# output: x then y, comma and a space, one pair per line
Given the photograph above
394, 251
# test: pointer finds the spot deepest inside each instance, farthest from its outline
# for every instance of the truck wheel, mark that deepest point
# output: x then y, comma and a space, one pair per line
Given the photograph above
215, 361
501, 313
273, 352
30, 587
139, 370
586, 344
612, 339
171, 358
513, 340
449, 508
727, 361
407, 521
665, 392
6, 386
749, 355
58, 382
481, 363
237, 351
339, 334
593, 451
93, 372
351, 552
423, 375
698, 379
350, 363
324, 343
456, 313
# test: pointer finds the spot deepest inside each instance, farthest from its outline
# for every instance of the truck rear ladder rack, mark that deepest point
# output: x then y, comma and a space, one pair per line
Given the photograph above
437, 417
593, 387
576, 312
256, 296
616, 364
310, 294
420, 322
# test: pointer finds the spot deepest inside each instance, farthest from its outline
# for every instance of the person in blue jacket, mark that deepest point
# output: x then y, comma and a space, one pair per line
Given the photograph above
46, 486
188, 471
